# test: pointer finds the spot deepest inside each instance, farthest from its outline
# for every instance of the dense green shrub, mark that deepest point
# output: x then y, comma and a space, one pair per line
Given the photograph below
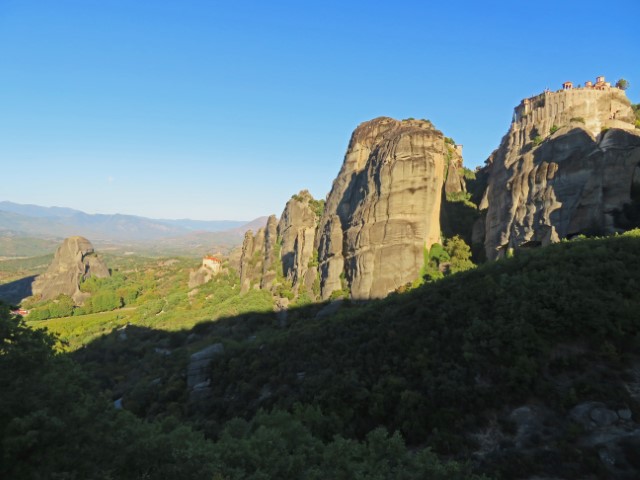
53, 424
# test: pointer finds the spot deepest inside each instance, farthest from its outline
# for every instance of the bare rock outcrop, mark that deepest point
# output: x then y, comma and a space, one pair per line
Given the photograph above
383, 209
567, 166
198, 376
270, 241
454, 175
297, 230
257, 260
248, 262
199, 276
74, 261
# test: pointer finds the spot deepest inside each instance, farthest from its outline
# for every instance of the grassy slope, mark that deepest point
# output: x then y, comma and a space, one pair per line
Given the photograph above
165, 301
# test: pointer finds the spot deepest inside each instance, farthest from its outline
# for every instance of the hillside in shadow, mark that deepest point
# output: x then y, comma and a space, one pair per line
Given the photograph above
524, 365
13, 292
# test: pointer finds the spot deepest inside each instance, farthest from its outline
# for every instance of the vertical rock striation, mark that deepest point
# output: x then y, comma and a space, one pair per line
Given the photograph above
370, 236
297, 229
566, 167
270, 241
257, 257
383, 209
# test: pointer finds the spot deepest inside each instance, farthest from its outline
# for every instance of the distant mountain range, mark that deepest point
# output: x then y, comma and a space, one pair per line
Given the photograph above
18, 221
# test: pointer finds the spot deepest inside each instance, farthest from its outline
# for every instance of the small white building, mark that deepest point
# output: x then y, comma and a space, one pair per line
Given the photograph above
212, 263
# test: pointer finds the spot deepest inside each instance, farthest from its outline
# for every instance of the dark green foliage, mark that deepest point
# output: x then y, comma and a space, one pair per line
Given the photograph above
411, 362
103, 302
317, 206
278, 445
433, 365
553, 129
54, 425
622, 84
313, 261
458, 214
459, 254
458, 197
440, 261
60, 307
468, 174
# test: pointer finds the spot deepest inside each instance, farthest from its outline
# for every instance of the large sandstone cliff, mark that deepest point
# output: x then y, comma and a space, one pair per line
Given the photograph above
567, 166
74, 261
370, 236
383, 209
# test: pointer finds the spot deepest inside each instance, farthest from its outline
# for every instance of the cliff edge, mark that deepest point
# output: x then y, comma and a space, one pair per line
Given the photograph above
566, 167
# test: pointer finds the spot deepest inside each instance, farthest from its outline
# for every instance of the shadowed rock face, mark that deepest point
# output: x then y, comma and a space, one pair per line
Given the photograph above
383, 208
546, 186
74, 261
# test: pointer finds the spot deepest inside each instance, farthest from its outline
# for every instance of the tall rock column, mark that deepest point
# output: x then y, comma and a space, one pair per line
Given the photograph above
297, 231
246, 259
565, 167
383, 209
270, 240
74, 261
257, 260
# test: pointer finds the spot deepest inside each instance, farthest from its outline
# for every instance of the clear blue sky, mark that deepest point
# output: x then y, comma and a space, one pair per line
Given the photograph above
223, 110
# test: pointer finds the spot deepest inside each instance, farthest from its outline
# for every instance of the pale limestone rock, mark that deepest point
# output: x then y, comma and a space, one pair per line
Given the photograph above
74, 261
383, 209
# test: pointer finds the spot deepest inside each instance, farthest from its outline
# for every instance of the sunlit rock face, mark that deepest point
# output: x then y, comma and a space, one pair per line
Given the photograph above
567, 166
297, 231
74, 261
383, 208
258, 257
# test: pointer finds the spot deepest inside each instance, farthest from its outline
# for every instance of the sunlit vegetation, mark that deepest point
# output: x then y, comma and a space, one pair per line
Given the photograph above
153, 294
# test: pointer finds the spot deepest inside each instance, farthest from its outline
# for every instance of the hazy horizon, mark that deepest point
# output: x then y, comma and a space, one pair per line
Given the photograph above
219, 111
